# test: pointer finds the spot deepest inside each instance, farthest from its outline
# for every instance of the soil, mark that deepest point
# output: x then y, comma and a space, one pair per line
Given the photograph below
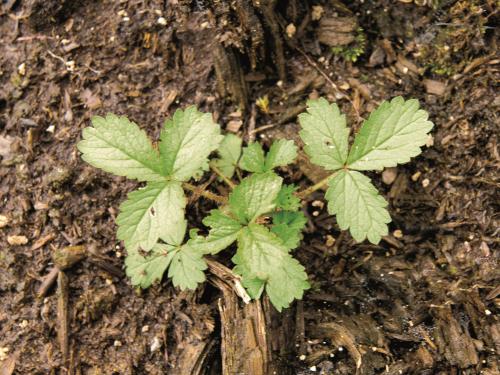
423, 301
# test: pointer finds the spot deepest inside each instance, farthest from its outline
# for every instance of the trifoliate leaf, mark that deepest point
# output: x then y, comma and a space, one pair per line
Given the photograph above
286, 199
256, 195
262, 255
393, 134
358, 206
186, 141
281, 153
144, 270
288, 226
117, 145
187, 266
151, 213
223, 232
229, 152
253, 159
325, 134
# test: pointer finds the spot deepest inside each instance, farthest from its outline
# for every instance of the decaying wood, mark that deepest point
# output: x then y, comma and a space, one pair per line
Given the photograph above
453, 340
68, 256
63, 315
337, 31
230, 78
194, 358
47, 282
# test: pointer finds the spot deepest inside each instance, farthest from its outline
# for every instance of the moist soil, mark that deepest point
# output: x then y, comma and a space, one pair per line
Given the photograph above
423, 301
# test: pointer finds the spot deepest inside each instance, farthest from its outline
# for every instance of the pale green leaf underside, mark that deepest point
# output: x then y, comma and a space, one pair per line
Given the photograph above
224, 231
117, 145
325, 134
358, 206
281, 153
261, 255
256, 195
253, 159
145, 270
229, 152
187, 266
151, 213
393, 134
186, 141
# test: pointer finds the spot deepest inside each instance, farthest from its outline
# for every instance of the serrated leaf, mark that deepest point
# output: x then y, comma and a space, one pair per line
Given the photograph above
254, 196
187, 266
151, 213
358, 206
393, 134
186, 141
286, 199
223, 232
144, 270
325, 134
229, 152
288, 226
281, 153
252, 159
262, 255
117, 145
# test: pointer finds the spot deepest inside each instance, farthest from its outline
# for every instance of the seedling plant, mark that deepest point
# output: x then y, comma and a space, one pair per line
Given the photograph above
261, 215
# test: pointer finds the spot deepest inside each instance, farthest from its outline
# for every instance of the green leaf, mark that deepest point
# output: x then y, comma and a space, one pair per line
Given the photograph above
144, 270
288, 226
281, 153
187, 266
223, 232
325, 134
393, 134
358, 206
256, 195
186, 141
117, 145
286, 199
262, 255
152, 213
229, 152
253, 159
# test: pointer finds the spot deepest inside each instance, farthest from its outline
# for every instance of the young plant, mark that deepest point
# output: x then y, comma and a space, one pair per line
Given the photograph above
261, 214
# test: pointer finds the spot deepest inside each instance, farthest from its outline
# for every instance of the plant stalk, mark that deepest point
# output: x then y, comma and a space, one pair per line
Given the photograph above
205, 193
311, 189
219, 173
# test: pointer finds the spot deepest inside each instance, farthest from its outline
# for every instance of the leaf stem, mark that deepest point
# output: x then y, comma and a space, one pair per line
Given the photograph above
311, 189
205, 193
221, 175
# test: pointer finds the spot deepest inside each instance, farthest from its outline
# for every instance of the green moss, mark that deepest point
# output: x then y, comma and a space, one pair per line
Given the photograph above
355, 49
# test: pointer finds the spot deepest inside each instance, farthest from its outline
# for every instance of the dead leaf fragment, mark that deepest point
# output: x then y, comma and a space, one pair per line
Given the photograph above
434, 87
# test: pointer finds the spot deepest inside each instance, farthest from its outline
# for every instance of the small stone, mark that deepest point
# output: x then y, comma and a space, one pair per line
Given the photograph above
398, 233
487, 312
4, 220
155, 345
23, 324
50, 129
21, 69
416, 176
425, 182
317, 12
312, 368
434, 87
117, 343
122, 13
389, 175
279, 83
161, 21
125, 19
340, 349
204, 25
109, 282
315, 213
302, 357
330, 240
291, 30
17, 240
145, 329
3, 353
318, 203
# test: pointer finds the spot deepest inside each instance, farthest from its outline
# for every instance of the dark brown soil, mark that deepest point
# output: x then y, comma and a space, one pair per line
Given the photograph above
424, 301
